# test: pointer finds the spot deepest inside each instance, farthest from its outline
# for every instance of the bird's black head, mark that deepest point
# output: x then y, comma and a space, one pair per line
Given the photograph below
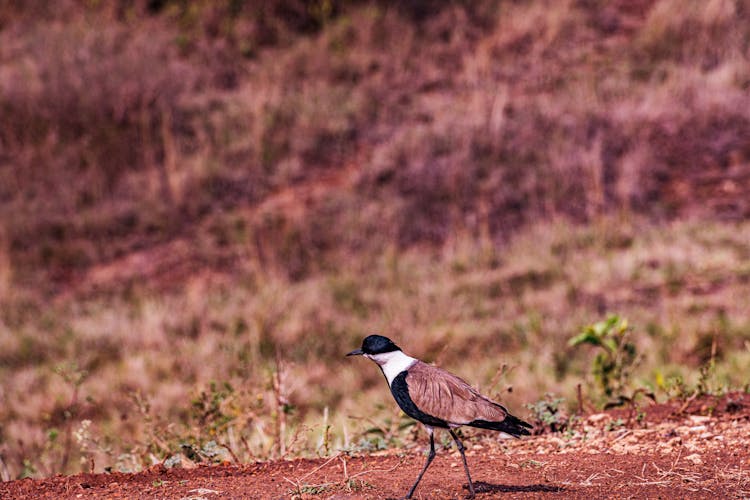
375, 344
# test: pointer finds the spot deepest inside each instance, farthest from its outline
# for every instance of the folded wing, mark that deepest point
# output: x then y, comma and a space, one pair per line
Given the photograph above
445, 396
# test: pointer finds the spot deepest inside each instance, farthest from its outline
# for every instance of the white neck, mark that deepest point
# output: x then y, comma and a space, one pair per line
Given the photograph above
392, 363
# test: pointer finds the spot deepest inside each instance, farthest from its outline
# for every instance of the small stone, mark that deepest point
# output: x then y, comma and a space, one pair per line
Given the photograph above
179, 460
556, 441
597, 417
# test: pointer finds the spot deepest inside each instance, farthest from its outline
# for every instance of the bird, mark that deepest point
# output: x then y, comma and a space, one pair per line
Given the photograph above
437, 399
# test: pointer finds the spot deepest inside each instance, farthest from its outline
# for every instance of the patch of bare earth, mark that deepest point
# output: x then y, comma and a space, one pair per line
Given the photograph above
698, 449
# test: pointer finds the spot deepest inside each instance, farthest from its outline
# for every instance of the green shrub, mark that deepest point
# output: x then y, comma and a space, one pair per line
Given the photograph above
616, 358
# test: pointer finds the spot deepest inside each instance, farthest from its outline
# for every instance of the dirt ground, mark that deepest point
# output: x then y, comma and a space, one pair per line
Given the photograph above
698, 449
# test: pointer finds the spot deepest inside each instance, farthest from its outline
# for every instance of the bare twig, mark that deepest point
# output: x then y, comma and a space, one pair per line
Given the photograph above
687, 403
278, 391
624, 434
345, 482
231, 452
318, 468
579, 393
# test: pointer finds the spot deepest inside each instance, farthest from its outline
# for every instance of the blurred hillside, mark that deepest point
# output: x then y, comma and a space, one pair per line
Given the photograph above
153, 140
203, 204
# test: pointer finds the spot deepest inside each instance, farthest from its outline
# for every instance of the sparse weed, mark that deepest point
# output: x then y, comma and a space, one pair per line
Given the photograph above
612, 425
706, 384
356, 485
676, 388
28, 469
392, 434
308, 489
548, 414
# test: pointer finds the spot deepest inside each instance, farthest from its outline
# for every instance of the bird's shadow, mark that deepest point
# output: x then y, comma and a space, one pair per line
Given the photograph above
483, 487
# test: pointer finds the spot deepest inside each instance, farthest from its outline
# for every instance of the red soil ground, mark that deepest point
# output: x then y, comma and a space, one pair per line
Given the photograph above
678, 450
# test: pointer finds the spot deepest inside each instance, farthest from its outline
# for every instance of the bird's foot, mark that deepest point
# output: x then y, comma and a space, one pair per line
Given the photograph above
472, 492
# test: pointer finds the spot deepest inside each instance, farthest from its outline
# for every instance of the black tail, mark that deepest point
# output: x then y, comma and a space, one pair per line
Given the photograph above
511, 425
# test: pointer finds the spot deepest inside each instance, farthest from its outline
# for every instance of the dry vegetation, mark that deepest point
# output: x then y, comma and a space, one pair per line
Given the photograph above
672, 451
203, 204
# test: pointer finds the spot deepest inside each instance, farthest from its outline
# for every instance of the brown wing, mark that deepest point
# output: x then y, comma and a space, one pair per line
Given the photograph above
445, 396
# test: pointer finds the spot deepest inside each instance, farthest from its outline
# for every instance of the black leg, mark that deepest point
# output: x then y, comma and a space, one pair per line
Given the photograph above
427, 464
461, 448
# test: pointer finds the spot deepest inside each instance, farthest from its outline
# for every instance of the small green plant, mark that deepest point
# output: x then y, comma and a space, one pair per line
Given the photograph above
705, 385
28, 469
312, 489
616, 359
392, 432
354, 484
548, 413
614, 425
675, 387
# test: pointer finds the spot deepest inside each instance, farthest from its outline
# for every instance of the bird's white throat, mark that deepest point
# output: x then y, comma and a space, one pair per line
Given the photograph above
392, 363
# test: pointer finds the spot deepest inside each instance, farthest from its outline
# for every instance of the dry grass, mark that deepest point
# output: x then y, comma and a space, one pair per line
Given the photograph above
146, 363
470, 120
216, 193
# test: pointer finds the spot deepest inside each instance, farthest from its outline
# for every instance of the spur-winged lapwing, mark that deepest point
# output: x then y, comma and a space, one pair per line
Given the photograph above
437, 398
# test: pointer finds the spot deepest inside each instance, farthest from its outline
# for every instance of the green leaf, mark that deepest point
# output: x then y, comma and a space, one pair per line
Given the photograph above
52, 434
610, 344
587, 337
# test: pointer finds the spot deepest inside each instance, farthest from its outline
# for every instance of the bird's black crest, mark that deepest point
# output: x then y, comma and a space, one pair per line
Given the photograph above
377, 344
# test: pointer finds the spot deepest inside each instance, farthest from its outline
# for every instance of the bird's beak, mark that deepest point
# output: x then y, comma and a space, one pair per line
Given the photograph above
356, 352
